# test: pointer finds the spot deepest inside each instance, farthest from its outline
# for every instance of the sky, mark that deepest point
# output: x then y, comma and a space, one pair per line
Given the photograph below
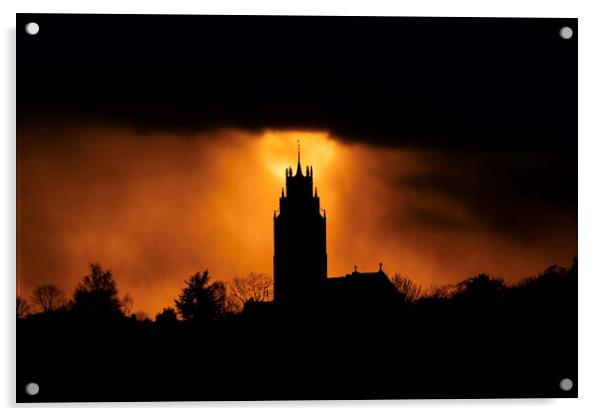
163, 153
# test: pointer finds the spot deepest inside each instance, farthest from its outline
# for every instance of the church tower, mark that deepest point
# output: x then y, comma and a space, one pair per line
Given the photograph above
299, 240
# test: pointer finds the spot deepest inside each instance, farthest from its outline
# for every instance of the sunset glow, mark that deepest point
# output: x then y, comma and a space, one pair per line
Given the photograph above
156, 208
278, 149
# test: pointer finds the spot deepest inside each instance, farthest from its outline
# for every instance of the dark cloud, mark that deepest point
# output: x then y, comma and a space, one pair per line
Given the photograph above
427, 83
512, 193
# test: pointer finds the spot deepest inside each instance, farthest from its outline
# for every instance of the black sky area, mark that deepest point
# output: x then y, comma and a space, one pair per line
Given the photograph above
426, 82
498, 95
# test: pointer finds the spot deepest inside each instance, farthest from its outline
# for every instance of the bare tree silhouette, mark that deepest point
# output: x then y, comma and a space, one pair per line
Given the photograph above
22, 307
201, 300
409, 290
140, 315
126, 304
48, 298
254, 288
437, 292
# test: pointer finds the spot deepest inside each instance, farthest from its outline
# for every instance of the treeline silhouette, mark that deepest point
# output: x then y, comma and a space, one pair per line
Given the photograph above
96, 298
481, 337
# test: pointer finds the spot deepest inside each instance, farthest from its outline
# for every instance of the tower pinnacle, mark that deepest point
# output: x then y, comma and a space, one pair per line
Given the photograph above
299, 170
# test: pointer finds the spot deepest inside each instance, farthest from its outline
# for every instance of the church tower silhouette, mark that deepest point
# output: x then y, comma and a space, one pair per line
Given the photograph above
299, 239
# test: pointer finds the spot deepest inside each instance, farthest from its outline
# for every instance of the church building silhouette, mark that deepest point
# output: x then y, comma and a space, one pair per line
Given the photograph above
300, 259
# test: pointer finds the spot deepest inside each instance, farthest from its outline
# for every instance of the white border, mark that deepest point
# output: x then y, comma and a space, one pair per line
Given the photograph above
590, 201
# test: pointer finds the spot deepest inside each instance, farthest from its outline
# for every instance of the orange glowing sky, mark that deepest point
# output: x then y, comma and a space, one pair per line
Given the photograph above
157, 207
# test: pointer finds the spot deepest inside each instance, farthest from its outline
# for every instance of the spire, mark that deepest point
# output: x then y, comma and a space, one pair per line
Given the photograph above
299, 171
